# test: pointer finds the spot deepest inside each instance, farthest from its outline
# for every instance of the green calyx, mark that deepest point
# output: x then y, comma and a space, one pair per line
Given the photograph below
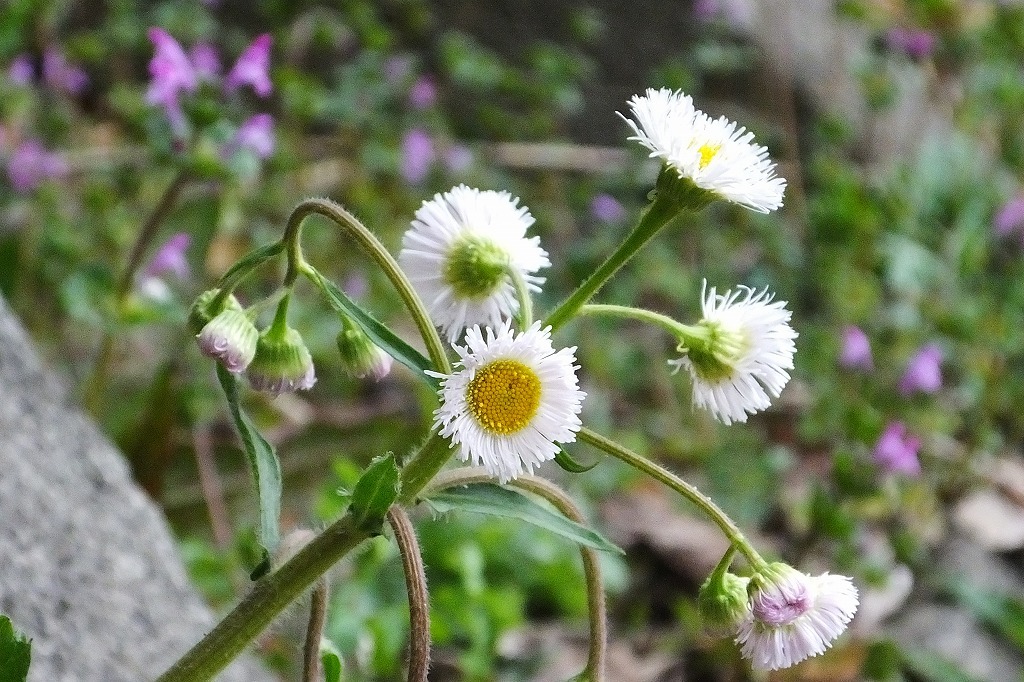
713, 348
282, 356
722, 599
681, 191
475, 267
359, 355
207, 306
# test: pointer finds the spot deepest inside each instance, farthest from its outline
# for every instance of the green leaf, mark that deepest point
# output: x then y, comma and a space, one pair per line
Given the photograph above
378, 332
330, 659
375, 492
565, 460
1003, 613
15, 653
931, 667
494, 500
266, 469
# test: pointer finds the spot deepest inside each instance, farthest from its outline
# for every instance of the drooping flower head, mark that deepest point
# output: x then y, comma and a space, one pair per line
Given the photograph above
458, 253
281, 363
896, 450
253, 67
794, 616
229, 338
722, 603
360, 356
739, 353
923, 373
512, 401
713, 154
856, 351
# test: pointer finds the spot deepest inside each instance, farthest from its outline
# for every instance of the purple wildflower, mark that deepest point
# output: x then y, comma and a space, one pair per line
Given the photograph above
170, 258
607, 209
396, 69
915, 43
856, 352
417, 155
256, 135
31, 164
205, 61
736, 13
923, 373
1010, 217
458, 157
253, 67
423, 93
21, 71
170, 69
60, 74
896, 450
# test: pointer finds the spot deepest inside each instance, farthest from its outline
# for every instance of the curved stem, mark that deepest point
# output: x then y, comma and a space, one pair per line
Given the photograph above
315, 632
356, 230
268, 597
243, 268
690, 492
594, 672
416, 586
657, 215
524, 316
670, 325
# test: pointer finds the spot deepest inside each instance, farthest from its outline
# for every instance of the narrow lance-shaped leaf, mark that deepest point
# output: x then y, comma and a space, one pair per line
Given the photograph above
377, 331
375, 492
266, 469
15, 653
491, 499
566, 461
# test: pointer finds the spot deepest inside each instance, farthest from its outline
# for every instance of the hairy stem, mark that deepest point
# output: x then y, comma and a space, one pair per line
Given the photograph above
690, 492
594, 672
315, 632
416, 586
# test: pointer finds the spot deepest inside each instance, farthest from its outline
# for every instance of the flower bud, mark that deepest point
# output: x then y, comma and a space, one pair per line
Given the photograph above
722, 602
202, 311
360, 356
282, 363
230, 337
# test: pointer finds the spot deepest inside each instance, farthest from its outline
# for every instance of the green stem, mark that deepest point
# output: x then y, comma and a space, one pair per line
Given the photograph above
242, 269
315, 632
594, 672
524, 317
660, 473
658, 214
268, 597
356, 230
674, 327
422, 468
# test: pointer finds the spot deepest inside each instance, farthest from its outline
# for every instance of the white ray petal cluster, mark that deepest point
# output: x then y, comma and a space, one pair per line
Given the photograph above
715, 154
511, 401
456, 251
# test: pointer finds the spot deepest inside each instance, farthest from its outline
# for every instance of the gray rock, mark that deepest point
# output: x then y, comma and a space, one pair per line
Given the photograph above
88, 567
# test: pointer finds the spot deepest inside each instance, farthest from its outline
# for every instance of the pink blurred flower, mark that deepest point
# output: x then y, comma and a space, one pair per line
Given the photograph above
396, 68
257, 135
205, 61
736, 13
923, 373
253, 67
60, 74
417, 155
170, 70
607, 209
915, 43
1010, 218
423, 93
21, 71
896, 450
458, 157
31, 164
170, 258
856, 352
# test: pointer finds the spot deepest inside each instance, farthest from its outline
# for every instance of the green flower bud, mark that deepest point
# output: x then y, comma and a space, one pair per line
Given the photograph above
202, 311
360, 356
282, 363
722, 602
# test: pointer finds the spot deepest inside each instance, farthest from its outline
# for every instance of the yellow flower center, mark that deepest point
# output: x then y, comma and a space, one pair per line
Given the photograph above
707, 152
504, 396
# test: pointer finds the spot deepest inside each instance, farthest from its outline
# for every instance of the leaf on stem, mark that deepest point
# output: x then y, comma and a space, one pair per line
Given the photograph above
330, 659
494, 500
266, 469
374, 494
379, 333
15, 653
566, 461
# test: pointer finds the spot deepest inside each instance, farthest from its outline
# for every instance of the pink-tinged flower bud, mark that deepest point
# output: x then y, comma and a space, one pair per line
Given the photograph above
856, 352
896, 450
360, 356
253, 68
923, 373
793, 615
231, 338
282, 363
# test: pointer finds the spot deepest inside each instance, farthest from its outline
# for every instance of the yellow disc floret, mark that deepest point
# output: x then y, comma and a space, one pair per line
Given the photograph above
504, 396
707, 152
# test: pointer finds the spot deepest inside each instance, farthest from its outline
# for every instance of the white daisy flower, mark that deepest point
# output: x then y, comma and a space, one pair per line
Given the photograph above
514, 398
458, 253
794, 616
714, 154
738, 354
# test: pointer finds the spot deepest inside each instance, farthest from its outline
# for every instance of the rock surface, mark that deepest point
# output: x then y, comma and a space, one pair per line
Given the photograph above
88, 567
